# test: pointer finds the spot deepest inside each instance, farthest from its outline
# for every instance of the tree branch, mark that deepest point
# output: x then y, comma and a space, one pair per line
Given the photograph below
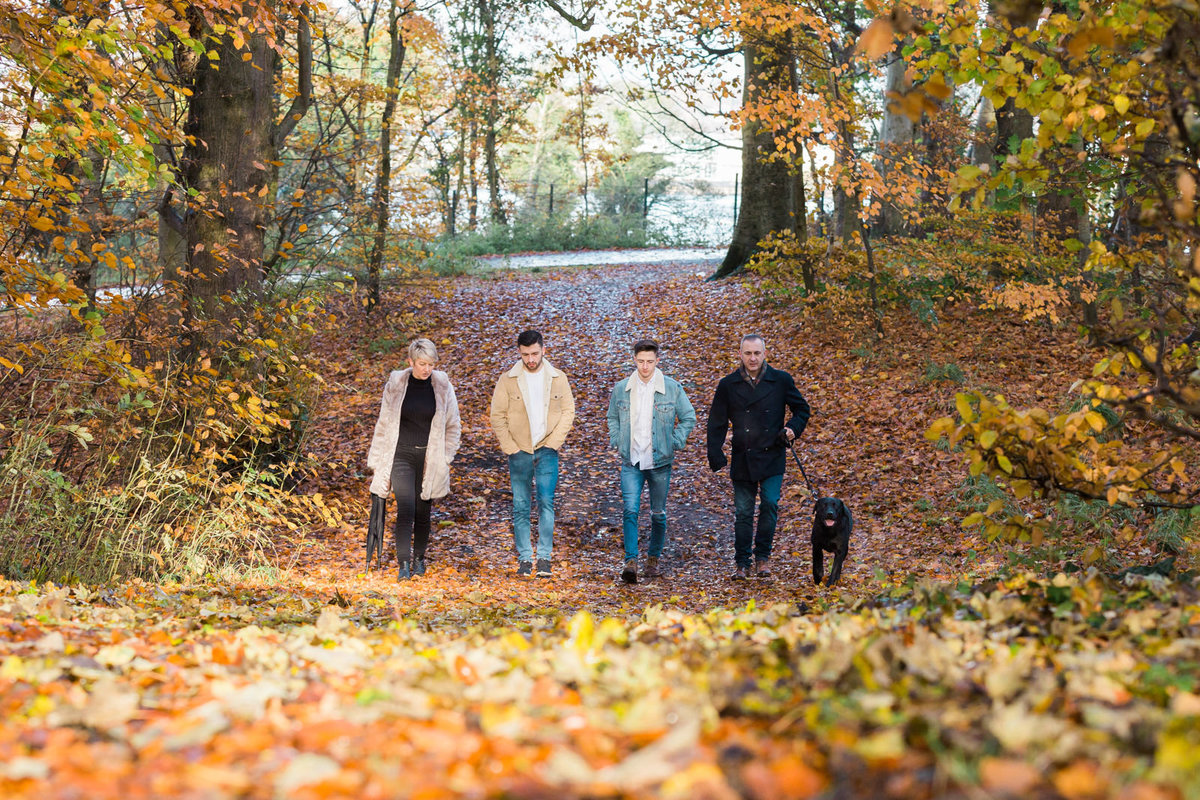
583, 22
303, 97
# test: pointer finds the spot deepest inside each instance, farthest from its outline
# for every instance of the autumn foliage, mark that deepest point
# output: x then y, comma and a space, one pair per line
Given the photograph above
970, 230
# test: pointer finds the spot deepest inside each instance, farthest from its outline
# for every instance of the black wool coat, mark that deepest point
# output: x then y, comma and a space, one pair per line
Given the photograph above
756, 413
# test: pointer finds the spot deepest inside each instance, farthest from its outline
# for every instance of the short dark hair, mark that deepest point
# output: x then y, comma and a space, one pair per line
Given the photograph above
644, 345
529, 338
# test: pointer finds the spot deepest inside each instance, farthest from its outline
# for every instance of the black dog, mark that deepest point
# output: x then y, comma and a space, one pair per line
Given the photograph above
832, 524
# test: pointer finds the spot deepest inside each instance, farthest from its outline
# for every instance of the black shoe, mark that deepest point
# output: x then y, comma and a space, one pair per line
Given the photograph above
629, 574
543, 570
418, 567
405, 571
524, 569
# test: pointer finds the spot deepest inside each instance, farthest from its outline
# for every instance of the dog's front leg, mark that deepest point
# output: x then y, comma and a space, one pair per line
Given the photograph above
818, 562
838, 558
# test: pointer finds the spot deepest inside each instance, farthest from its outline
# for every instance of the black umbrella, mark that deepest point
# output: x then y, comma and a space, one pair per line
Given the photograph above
375, 529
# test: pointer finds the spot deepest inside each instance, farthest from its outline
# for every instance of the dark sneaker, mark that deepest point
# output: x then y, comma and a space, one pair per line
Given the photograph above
763, 569
418, 567
739, 574
543, 570
652, 568
524, 569
629, 574
405, 571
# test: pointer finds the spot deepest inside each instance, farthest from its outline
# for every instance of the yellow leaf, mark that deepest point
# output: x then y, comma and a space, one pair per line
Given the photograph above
963, 403
987, 439
1096, 421
1121, 103
936, 87
1004, 463
582, 626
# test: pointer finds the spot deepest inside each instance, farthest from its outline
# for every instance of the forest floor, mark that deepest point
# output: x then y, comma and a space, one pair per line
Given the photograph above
924, 674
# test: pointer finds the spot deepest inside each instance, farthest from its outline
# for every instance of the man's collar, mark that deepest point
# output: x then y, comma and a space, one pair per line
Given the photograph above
763, 372
519, 368
656, 380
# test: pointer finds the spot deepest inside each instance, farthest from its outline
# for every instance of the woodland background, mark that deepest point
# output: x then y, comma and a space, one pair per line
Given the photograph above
221, 223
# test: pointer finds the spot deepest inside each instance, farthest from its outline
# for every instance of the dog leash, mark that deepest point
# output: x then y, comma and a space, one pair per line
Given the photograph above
811, 487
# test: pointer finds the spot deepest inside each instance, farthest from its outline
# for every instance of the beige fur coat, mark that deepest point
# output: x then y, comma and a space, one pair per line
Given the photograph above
444, 434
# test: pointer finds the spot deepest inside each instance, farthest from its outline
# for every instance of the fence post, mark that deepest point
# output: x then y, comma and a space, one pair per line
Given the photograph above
645, 199
551, 212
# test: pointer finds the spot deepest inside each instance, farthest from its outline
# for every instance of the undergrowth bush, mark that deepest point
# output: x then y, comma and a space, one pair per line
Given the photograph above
554, 234
998, 259
119, 457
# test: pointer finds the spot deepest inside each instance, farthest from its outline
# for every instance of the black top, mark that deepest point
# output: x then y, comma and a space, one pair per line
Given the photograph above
756, 413
416, 415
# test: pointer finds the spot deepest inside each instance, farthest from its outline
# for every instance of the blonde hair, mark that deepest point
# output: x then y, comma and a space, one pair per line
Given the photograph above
424, 349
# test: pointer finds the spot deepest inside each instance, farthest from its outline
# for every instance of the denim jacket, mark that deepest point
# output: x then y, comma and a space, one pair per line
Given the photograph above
674, 419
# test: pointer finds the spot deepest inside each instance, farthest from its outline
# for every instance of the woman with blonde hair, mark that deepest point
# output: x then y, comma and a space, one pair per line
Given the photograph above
416, 438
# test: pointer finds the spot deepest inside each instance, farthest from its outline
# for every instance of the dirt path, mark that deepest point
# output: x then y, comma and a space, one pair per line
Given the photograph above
590, 319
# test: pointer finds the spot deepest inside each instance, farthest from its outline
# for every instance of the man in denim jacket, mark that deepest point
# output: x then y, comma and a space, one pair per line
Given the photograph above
649, 418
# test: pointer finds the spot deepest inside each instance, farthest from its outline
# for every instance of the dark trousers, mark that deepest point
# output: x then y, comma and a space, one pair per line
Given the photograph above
412, 513
749, 543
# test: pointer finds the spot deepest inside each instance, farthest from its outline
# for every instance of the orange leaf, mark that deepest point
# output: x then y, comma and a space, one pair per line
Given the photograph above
876, 40
1007, 776
464, 671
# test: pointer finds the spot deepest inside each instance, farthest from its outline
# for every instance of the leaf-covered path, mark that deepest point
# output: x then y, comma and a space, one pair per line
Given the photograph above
857, 443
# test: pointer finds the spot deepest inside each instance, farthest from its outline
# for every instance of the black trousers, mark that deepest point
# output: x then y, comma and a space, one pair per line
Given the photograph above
412, 513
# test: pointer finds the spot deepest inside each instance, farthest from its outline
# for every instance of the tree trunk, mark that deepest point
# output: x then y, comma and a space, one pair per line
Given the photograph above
473, 178
231, 138
382, 201
1058, 204
487, 15
1013, 125
896, 136
767, 187
983, 142
799, 198
359, 165
228, 132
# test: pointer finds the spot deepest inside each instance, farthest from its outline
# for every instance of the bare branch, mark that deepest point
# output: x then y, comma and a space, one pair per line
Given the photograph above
583, 22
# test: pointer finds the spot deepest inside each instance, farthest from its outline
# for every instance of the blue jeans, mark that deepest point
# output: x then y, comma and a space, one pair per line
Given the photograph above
633, 480
749, 545
524, 469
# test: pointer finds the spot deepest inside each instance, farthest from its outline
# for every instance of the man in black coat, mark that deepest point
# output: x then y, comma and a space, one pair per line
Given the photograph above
753, 399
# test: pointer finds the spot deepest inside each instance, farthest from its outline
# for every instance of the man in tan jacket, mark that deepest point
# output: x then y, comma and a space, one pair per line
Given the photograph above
532, 412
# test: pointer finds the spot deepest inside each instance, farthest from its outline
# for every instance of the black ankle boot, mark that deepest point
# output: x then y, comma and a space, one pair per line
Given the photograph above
405, 571
419, 566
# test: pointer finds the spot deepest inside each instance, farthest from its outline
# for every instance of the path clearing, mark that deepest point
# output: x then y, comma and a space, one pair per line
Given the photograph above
590, 318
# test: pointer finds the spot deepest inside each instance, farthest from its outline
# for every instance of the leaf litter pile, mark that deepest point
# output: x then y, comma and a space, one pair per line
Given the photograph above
919, 676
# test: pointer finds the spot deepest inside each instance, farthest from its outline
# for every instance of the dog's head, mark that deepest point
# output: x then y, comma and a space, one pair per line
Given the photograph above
829, 512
